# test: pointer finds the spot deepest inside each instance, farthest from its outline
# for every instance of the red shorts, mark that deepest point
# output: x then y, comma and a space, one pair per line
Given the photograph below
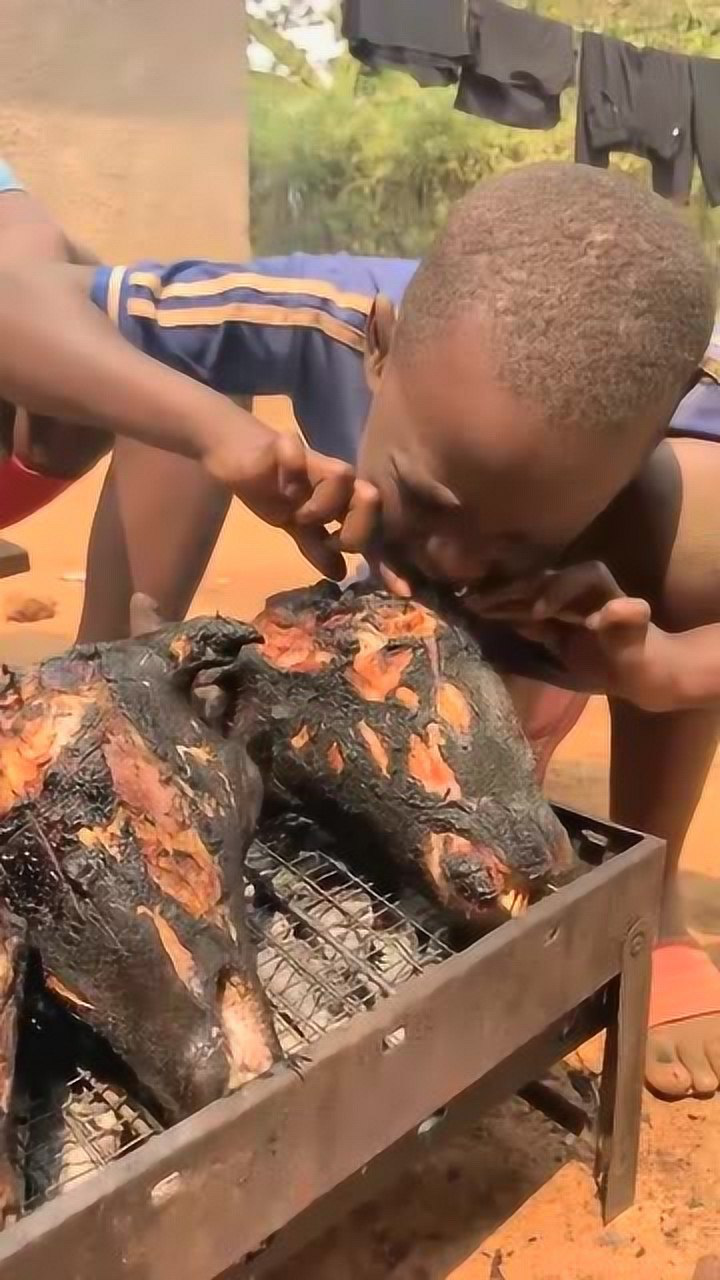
22, 492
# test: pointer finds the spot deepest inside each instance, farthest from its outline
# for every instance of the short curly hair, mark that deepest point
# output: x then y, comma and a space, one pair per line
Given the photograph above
595, 299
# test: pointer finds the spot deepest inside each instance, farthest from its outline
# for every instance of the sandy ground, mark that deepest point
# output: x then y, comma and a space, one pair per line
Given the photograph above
514, 1184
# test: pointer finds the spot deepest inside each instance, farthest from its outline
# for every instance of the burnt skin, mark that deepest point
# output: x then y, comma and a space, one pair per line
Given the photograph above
388, 725
12, 975
124, 820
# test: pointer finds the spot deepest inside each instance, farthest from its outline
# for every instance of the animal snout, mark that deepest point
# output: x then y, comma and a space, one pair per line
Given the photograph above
202, 1071
472, 877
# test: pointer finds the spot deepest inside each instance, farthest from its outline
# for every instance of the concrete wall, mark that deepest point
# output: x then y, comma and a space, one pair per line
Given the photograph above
128, 118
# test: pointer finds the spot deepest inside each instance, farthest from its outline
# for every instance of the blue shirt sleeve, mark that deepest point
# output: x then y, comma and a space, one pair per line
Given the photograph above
246, 332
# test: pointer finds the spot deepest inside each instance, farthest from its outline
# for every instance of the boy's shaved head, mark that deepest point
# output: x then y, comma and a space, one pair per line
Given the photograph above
541, 350
592, 297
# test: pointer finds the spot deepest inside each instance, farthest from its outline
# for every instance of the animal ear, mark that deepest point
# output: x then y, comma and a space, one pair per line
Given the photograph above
144, 615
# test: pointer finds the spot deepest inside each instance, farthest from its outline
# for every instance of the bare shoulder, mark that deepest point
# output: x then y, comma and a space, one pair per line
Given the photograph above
661, 537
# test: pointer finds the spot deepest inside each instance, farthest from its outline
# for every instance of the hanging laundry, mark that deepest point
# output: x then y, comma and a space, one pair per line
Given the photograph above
705, 75
520, 65
426, 38
637, 101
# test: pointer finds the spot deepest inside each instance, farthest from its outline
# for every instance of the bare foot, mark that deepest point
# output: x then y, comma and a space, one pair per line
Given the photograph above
683, 1053
684, 1057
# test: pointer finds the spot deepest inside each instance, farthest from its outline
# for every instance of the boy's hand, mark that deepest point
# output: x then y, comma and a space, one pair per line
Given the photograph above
605, 639
303, 492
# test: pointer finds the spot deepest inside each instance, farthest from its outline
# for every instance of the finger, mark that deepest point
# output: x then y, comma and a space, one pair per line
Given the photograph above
330, 497
540, 633
583, 587
392, 581
260, 488
290, 460
361, 519
628, 615
519, 594
321, 549
500, 611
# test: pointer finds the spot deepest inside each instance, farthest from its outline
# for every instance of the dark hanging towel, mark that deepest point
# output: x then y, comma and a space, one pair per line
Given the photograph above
705, 75
637, 101
426, 38
520, 64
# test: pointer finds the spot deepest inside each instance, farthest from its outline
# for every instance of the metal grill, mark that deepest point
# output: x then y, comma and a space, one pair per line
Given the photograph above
78, 1126
330, 944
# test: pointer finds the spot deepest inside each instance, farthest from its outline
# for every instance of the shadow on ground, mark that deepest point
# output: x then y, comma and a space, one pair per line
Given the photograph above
440, 1212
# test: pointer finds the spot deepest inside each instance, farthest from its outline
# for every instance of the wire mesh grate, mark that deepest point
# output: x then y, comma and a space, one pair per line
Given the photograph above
78, 1125
329, 944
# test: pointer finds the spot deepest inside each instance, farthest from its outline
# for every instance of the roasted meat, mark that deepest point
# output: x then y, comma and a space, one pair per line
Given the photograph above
123, 824
12, 974
385, 721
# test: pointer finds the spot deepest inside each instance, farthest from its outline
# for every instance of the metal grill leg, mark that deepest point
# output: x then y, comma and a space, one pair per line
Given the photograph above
623, 1075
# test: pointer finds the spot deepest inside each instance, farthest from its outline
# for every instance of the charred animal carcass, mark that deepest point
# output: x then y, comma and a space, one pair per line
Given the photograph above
123, 824
384, 719
12, 975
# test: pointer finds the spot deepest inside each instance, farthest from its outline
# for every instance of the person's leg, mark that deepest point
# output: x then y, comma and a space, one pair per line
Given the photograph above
659, 766
546, 713
155, 528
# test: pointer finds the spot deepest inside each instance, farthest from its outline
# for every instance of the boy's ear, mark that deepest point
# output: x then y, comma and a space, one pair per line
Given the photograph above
378, 336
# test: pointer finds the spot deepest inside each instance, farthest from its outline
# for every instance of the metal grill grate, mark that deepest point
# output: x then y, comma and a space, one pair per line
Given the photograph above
78, 1126
330, 944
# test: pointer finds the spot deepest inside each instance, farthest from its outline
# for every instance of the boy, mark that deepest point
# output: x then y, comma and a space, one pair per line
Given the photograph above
513, 448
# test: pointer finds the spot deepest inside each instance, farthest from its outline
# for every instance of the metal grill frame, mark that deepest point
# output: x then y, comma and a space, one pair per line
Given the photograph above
256, 1173
82, 1109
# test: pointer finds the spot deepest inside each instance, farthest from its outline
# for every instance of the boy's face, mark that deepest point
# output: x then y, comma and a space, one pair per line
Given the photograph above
476, 488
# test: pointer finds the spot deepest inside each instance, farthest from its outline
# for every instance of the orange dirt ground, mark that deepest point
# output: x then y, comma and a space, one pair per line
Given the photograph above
514, 1184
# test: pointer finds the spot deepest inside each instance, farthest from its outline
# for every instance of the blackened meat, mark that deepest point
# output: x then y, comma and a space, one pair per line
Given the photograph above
384, 719
123, 825
12, 973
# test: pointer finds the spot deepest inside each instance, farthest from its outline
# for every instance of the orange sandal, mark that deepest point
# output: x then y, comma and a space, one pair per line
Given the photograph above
685, 984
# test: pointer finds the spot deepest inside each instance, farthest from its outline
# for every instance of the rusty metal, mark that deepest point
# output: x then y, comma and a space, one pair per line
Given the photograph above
569, 1115
622, 1077
251, 1169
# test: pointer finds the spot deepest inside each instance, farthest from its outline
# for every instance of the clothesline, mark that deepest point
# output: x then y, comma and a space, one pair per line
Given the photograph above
512, 65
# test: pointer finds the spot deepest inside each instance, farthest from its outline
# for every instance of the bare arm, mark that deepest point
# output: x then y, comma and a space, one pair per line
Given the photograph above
28, 233
692, 668
60, 357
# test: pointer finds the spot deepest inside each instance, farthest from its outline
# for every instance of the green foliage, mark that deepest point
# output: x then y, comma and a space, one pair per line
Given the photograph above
371, 163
